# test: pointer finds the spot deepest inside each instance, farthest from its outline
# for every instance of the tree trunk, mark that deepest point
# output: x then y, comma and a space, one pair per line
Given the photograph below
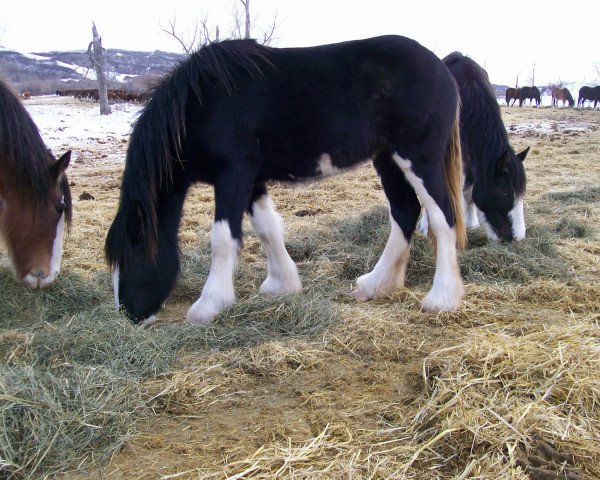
247, 10
98, 59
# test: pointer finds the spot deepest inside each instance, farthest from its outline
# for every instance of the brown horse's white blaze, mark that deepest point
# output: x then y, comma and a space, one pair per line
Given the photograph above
34, 233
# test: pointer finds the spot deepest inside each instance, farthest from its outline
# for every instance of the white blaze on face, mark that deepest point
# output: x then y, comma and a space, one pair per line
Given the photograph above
517, 219
56, 257
115, 282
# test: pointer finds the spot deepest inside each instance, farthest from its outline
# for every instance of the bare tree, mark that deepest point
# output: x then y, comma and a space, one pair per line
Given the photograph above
531, 78
202, 32
98, 59
243, 24
597, 68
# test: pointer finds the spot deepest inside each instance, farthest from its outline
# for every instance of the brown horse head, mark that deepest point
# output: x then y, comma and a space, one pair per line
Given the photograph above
32, 225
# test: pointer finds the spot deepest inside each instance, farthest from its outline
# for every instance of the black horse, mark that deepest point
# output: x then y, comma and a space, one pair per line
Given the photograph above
590, 94
529, 93
237, 114
494, 177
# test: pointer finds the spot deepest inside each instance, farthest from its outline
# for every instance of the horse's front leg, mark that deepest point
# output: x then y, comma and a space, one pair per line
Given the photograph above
232, 193
282, 274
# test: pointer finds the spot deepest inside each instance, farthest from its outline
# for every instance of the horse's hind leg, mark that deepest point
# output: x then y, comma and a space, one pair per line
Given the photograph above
232, 193
447, 290
388, 274
282, 274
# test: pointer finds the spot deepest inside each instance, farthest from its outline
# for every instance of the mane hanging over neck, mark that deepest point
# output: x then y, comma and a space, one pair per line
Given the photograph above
480, 112
23, 156
159, 133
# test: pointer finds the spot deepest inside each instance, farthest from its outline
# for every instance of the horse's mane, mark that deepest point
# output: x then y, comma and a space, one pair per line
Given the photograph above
481, 113
24, 158
159, 133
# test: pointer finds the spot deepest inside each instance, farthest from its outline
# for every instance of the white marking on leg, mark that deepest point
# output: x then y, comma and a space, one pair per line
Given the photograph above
388, 274
489, 230
282, 274
325, 167
447, 290
424, 223
149, 321
115, 282
517, 219
469, 208
218, 292
56, 256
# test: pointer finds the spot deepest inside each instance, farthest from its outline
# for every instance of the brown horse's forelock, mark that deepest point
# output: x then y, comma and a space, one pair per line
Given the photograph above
24, 159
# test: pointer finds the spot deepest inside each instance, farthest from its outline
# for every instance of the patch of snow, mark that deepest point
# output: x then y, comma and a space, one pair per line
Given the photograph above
78, 126
83, 71
32, 56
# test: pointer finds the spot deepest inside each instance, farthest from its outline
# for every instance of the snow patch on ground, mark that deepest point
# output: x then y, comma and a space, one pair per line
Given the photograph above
547, 128
70, 124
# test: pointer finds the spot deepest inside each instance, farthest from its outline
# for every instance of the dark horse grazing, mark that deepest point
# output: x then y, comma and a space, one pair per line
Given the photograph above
494, 177
562, 94
590, 94
529, 93
35, 199
237, 114
511, 94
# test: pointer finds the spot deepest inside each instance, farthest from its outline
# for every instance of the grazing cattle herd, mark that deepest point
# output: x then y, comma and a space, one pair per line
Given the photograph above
113, 94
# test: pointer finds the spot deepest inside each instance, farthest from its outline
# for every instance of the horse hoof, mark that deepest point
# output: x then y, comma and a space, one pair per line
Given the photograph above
273, 288
149, 321
360, 295
441, 303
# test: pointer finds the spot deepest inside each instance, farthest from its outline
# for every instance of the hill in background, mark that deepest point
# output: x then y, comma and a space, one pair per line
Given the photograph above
44, 73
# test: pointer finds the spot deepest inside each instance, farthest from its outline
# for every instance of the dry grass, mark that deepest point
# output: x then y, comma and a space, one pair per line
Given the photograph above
317, 385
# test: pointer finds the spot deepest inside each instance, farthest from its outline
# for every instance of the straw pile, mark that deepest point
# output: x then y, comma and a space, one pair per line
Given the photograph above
318, 385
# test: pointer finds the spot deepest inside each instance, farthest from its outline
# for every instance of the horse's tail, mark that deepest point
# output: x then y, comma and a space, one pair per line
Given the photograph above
454, 180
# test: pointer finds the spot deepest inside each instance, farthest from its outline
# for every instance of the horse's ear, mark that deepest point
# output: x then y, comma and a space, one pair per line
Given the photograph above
59, 167
501, 166
521, 156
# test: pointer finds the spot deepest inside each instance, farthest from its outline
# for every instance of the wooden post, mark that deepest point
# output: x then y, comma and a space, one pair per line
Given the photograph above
98, 59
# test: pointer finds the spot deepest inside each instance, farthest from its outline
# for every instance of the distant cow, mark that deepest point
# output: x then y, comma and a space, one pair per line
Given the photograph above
562, 94
26, 95
529, 93
511, 94
590, 94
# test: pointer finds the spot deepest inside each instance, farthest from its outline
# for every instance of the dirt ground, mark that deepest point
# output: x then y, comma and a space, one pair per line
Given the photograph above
328, 407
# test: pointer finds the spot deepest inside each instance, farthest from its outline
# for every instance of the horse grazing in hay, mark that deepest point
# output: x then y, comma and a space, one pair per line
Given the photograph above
511, 94
529, 93
35, 199
590, 94
562, 95
237, 114
494, 177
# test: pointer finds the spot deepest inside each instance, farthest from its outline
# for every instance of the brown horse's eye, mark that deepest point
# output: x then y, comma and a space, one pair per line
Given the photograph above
61, 208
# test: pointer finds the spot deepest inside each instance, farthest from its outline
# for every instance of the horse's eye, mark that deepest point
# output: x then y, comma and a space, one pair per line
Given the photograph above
61, 208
